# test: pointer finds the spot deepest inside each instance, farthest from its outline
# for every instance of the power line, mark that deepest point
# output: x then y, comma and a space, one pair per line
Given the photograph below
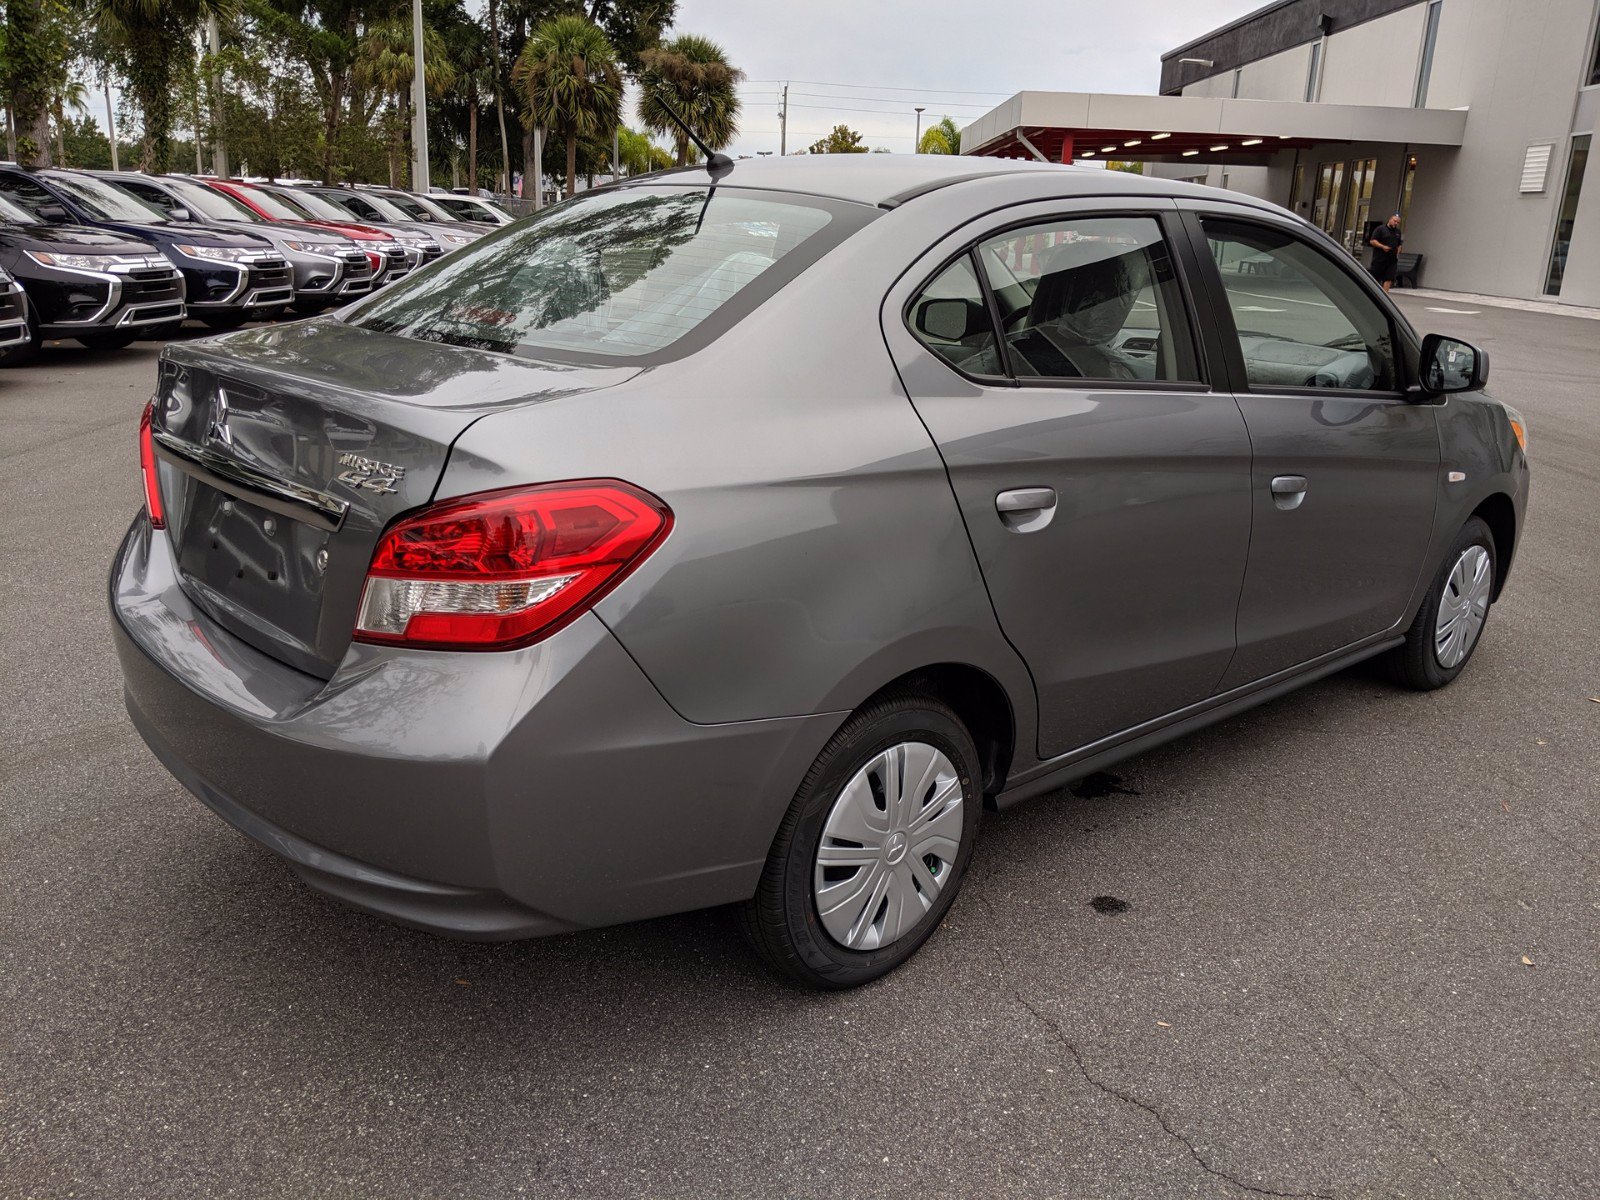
874, 87
890, 100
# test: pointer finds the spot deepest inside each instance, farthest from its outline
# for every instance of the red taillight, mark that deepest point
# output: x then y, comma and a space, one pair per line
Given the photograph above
147, 468
503, 569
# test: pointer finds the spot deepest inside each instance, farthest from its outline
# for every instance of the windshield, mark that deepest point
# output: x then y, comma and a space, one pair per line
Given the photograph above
106, 201
276, 206
12, 213
385, 208
319, 207
206, 202
415, 208
619, 275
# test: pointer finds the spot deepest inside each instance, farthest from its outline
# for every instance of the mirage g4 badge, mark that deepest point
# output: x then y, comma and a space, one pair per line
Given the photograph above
369, 473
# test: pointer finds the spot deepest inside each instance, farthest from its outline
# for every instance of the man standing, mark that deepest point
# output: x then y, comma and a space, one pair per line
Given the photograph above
1386, 243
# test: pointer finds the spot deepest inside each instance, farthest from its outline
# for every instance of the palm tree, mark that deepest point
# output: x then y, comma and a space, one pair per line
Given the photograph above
146, 42
68, 93
691, 76
569, 82
385, 61
943, 138
639, 154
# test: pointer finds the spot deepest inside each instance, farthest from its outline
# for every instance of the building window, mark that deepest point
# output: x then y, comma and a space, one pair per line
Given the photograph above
1566, 215
1329, 198
1314, 73
1594, 66
1405, 188
1237, 72
1430, 35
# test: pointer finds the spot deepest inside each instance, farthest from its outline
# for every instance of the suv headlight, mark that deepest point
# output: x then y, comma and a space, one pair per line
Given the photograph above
229, 254
320, 249
460, 239
81, 262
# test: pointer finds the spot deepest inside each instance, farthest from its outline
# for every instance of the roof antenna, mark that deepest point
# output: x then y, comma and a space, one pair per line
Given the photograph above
716, 162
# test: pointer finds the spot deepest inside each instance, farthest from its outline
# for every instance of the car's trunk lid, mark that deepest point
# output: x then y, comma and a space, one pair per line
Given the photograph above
287, 450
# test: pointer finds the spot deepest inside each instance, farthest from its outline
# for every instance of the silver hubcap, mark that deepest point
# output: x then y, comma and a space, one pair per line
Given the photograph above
889, 846
1463, 606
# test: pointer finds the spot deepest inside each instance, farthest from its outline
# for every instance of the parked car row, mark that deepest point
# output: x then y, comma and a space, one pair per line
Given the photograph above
108, 257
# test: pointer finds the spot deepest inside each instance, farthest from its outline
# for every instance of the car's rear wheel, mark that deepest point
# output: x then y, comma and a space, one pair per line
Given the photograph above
874, 848
1447, 628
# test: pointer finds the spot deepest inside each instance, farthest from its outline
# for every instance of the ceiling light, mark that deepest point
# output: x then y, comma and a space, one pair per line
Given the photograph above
1251, 142
1087, 154
1190, 153
1224, 146
1135, 142
1156, 137
1107, 149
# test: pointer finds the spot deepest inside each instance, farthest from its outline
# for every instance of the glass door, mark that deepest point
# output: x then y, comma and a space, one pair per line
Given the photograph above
1328, 202
1359, 209
1567, 215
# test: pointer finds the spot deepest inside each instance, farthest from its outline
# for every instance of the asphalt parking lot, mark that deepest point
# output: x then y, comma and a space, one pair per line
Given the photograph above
1357, 953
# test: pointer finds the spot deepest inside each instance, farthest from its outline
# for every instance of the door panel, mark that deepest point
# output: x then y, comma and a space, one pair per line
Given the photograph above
1319, 377
1121, 598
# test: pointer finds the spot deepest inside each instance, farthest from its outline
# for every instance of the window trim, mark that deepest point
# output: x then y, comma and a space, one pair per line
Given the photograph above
1226, 331
1173, 237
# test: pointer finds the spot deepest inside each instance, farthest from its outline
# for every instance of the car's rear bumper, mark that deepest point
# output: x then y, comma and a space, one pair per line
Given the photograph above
476, 795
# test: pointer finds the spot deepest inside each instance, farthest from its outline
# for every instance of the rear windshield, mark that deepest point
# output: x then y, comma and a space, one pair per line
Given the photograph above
626, 275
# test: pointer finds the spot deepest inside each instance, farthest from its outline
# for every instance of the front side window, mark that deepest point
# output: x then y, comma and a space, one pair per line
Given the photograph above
1302, 320
616, 275
106, 201
1090, 298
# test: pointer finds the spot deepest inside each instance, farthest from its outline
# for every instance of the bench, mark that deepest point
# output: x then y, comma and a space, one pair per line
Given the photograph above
1408, 267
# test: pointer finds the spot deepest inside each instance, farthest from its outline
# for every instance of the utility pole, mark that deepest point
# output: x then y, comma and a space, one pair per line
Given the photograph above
537, 170
916, 142
219, 149
783, 124
419, 105
111, 126
616, 154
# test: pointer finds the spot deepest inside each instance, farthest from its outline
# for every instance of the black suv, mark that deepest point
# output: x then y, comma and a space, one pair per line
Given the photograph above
104, 289
230, 275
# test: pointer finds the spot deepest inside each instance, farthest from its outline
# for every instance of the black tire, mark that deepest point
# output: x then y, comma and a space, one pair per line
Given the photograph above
161, 333
310, 308
116, 340
224, 320
781, 920
1416, 663
23, 352
274, 313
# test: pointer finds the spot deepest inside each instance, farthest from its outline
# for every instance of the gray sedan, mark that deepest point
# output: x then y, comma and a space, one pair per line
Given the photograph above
737, 537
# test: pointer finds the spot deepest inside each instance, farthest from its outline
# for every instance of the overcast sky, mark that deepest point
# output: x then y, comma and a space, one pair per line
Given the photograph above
956, 57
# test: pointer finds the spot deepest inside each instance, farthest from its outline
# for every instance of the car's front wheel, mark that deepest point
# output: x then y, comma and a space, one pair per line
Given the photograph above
873, 850
1447, 627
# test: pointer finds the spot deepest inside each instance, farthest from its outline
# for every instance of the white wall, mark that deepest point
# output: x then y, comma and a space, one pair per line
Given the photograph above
1280, 77
1376, 63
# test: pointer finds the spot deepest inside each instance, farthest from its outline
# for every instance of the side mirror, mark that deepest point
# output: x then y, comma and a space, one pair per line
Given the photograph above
1447, 365
51, 212
950, 320
180, 214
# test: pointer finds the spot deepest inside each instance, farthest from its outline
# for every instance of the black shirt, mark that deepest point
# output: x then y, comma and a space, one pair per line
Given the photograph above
1391, 240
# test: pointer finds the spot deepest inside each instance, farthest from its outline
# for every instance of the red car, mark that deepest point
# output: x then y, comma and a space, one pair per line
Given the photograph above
388, 257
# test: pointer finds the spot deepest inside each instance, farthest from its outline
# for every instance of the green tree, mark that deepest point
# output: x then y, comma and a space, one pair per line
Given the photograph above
691, 76
640, 155
1132, 168
943, 137
386, 62
569, 82
151, 43
843, 140
633, 26
33, 66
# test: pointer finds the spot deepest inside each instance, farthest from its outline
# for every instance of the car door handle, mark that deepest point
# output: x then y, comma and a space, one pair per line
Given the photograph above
1289, 490
1025, 510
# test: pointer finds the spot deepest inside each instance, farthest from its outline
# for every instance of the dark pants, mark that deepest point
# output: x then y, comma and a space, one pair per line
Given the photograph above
1383, 267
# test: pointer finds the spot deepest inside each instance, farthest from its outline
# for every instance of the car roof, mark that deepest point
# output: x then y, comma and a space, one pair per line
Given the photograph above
887, 180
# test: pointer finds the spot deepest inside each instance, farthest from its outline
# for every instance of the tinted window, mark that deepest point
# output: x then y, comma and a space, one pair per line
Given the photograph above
1095, 298
204, 202
951, 317
1302, 319
615, 275
106, 201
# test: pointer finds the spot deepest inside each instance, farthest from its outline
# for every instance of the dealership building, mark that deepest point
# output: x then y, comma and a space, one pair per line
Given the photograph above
1473, 119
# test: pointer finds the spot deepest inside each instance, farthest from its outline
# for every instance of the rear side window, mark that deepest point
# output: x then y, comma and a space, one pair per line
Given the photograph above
1093, 298
951, 318
625, 275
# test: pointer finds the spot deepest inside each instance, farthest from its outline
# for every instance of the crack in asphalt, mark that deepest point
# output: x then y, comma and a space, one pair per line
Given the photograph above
1059, 1035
